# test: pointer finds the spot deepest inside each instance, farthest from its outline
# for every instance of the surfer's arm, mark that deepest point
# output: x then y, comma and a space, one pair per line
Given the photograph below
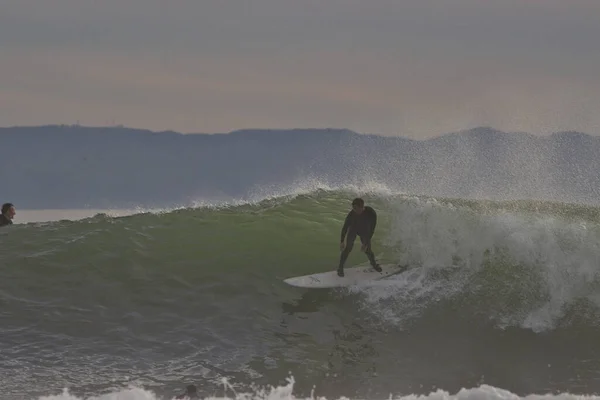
346, 226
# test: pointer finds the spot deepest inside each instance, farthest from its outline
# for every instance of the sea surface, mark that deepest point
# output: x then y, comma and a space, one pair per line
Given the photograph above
502, 301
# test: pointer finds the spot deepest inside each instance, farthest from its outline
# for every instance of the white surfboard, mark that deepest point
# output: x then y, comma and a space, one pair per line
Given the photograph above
352, 276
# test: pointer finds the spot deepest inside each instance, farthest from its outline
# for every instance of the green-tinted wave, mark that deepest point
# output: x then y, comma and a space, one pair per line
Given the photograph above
518, 263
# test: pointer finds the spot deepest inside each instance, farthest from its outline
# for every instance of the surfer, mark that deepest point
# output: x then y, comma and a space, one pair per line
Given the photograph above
8, 213
191, 392
360, 221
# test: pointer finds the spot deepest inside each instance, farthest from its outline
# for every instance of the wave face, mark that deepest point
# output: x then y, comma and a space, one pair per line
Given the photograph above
500, 295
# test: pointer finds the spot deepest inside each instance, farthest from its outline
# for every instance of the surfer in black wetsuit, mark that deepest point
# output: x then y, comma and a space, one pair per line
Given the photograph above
8, 213
360, 221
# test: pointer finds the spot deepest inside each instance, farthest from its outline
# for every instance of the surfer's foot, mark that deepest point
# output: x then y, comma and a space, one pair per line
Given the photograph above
377, 268
340, 272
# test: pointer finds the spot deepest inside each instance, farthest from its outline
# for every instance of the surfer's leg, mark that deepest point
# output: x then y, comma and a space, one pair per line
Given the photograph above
349, 245
370, 254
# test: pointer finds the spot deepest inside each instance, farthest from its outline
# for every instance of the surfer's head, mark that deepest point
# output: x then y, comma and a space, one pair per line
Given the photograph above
8, 209
191, 389
358, 205
191, 392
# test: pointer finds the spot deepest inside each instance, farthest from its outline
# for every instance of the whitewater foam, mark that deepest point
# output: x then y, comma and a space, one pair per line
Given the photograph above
460, 242
285, 392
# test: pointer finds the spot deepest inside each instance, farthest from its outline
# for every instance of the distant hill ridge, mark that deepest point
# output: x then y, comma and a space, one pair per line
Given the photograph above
71, 166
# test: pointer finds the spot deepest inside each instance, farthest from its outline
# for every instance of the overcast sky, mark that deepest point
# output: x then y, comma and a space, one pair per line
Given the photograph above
415, 68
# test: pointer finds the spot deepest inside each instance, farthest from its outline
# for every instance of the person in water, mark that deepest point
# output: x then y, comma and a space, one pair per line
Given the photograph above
8, 213
191, 392
360, 221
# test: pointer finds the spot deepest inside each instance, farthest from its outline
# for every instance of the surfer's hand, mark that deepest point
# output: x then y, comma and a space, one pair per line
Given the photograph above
363, 247
342, 246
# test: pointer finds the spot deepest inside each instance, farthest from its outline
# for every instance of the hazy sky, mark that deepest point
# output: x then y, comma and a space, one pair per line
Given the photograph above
415, 68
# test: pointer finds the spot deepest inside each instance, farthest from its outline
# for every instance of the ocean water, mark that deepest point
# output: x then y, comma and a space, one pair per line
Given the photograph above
502, 301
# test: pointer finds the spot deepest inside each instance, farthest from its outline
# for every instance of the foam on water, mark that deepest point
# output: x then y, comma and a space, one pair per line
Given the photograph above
459, 243
285, 392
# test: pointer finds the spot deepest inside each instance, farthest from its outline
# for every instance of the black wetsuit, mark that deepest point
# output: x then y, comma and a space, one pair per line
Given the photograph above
362, 225
4, 220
